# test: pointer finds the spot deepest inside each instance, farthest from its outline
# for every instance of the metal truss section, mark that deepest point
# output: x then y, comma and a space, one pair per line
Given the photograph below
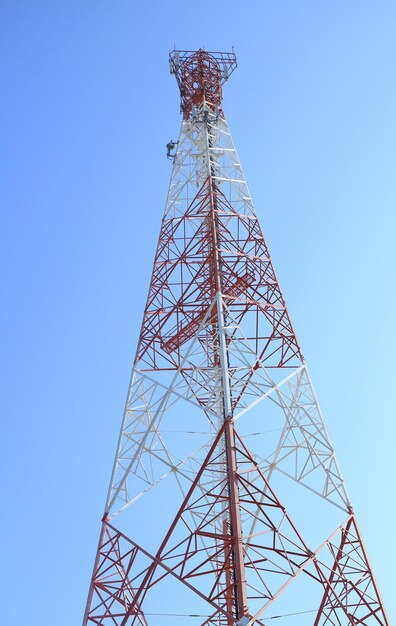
199, 555
182, 286
146, 455
112, 588
350, 591
304, 451
147, 452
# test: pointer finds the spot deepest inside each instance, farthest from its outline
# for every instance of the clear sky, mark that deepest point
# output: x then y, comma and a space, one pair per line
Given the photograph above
87, 107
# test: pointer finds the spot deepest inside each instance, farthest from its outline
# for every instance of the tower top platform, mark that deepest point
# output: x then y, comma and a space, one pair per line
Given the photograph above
200, 76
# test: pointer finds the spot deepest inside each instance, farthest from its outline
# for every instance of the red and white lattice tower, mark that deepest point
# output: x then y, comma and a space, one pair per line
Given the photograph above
226, 504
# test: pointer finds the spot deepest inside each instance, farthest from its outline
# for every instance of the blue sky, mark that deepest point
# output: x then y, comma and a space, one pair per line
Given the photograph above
87, 107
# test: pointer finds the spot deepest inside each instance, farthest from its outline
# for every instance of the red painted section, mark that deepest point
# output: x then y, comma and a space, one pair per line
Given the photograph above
122, 582
178, 300
112, 591
200, 76
211, 551
351, 595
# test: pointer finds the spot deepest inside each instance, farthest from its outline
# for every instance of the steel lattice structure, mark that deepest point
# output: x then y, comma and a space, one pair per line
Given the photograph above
255, 525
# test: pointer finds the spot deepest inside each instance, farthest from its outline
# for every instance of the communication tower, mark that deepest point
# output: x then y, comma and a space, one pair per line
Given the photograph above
226, 504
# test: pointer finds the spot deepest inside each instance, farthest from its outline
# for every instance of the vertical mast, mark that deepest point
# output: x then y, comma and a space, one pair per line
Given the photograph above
200, 80
239, 596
